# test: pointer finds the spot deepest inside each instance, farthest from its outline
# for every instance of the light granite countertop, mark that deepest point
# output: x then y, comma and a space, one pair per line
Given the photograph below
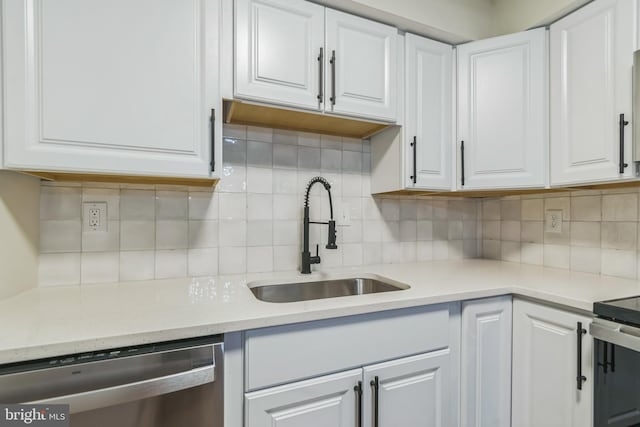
46, 322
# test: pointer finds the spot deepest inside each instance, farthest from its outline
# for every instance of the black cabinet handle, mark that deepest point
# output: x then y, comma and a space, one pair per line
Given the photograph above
622, 124
321, 76
375, 385
358, 390
332, 61
605, 357
414, 144
613, 358
579, 333
462, 163
212, 120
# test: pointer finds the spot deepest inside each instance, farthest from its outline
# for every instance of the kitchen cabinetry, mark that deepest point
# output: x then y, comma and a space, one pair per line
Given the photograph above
551, 350
400, 363
428, 113
502, 111
410, 392
485, 369
591, 86
279, 52
110, 88
419, 155
299, 54
406, 392
325, 401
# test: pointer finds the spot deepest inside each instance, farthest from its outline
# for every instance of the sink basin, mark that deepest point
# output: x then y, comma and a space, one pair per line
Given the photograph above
305, 291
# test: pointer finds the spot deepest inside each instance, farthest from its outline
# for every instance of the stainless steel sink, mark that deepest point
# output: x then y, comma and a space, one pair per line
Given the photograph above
304, 291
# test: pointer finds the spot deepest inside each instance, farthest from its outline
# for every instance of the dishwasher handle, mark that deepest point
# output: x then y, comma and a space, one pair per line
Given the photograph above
109, 396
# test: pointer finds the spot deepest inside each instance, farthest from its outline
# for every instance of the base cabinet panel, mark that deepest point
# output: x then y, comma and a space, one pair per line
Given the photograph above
545, 367
485, 367
415, 391
328, 401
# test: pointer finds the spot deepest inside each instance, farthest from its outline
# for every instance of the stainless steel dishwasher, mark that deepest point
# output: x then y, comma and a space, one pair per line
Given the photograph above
169, 384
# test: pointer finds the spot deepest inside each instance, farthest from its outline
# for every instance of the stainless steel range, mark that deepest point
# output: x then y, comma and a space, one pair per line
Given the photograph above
616, 331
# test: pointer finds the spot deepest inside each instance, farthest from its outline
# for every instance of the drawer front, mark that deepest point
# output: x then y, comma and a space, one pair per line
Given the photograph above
282, 354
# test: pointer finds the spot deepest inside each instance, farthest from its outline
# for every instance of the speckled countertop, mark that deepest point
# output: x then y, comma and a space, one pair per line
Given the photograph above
47, 322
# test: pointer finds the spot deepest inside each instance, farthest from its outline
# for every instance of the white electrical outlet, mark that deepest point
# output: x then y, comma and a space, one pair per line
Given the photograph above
553, 221
94, 216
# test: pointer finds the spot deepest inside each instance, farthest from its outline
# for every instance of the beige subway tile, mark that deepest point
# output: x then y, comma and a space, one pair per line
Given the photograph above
532, 231
532, 209
585, 234
619, 235
586, 208
620, 207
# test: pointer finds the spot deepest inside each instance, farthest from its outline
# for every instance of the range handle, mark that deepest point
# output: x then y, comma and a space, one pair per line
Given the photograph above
616, 333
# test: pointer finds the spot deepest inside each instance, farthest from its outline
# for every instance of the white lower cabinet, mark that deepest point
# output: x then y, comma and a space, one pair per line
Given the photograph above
412, 391
319, 402
485, 368
547, 359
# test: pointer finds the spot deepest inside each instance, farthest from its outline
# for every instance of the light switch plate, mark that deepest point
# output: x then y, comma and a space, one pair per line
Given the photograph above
553, 221
94, 216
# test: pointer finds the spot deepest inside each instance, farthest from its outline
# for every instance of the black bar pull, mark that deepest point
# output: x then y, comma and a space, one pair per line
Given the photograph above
375, 384
212, 120
414, 177
462, 163
358, 390
622, 124
605, 357
321, 76
613, 358
579, 333
332, 61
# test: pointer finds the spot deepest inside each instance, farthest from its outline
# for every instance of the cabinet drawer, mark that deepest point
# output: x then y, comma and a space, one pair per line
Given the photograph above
282, 354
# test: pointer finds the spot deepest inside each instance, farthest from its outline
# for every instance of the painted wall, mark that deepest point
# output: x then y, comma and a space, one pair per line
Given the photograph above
453, 21
19, 231
517, 15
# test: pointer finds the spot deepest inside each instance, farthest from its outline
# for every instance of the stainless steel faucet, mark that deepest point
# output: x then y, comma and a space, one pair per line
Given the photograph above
307, 259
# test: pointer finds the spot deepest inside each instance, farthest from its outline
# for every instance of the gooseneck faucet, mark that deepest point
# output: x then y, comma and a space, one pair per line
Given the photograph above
307, 259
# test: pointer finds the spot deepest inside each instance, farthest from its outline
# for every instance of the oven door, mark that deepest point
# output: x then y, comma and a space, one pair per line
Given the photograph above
617, 374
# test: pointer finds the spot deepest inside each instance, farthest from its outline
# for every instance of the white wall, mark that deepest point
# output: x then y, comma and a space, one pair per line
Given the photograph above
453, 21
19, 231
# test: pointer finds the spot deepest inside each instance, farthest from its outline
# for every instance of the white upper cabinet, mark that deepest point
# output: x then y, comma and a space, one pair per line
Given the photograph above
299, 54
591, 86
502, 111
361, 67
546, 365
116, 87
279, 49
428, 113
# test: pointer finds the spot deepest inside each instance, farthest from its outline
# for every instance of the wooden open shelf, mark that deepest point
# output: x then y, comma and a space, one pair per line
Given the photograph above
122, 179
245, 113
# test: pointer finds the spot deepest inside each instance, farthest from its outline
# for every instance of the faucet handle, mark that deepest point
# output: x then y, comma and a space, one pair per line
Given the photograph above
317, 250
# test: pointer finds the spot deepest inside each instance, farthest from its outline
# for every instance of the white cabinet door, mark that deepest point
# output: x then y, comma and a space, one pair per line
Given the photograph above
591, 85
486, 363
328, 401
278, 46
414, 391
428, 113
545, 368
122, 86
361, 68
502, 111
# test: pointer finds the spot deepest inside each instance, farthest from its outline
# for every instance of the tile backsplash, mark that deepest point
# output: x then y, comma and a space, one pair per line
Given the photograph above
599, 231
252, 222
